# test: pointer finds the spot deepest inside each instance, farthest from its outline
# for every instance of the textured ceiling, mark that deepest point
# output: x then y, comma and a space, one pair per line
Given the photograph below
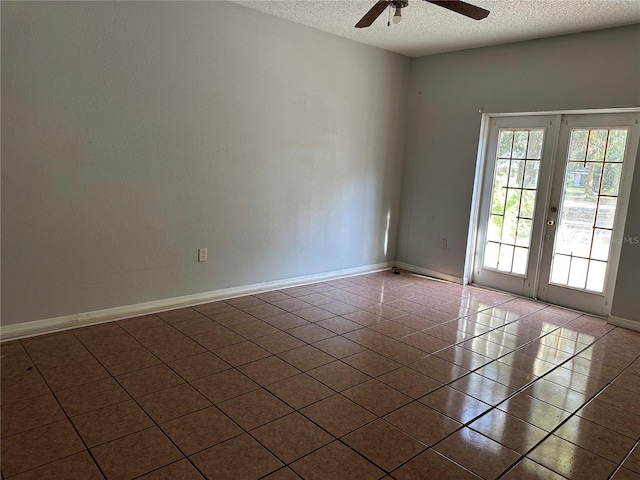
427, 28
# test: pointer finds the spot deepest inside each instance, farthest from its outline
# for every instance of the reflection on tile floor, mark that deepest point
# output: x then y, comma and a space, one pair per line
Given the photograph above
368, 377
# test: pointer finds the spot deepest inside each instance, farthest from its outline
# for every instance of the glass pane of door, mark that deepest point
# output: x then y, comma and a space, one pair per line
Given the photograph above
588, 207
587, 210
513, 198
517, 167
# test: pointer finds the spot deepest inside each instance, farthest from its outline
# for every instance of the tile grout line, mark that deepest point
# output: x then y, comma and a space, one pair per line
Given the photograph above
377, 417
134, 399
619, 467
492, 359
572, 414
493, 407
67, 417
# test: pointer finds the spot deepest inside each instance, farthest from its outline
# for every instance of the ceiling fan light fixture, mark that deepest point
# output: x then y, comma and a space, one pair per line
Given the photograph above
397, 17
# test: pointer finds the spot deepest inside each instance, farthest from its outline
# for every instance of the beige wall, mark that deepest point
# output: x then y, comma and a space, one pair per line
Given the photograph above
134, 133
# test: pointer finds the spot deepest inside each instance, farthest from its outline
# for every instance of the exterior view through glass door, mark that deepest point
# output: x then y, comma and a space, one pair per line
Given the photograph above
515, 184
552, 206
589, 199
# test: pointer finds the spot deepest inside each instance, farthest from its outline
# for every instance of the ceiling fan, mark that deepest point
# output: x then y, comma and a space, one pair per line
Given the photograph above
462, 8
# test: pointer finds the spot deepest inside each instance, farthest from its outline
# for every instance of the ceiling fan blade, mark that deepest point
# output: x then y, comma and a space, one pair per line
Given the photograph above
462, 8
372, 14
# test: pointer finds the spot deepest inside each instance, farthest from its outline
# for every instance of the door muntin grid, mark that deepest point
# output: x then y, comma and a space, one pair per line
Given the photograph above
513, 196
584, 235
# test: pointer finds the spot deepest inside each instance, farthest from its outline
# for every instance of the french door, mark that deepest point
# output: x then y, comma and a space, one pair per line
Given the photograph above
552, 206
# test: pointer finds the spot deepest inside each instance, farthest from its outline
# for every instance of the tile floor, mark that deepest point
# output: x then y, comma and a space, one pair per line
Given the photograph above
368, 377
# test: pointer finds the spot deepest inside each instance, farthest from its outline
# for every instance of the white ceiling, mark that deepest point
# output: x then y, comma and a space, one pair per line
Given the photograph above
427, 28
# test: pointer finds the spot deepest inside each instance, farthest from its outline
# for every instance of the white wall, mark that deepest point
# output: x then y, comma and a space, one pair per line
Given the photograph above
598, 69
134, 133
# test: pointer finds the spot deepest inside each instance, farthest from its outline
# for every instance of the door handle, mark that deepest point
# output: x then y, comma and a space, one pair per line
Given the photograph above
551, 222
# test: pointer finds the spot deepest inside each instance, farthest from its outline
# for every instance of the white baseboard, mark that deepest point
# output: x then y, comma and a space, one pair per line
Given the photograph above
429, 273
624, 322
50, 325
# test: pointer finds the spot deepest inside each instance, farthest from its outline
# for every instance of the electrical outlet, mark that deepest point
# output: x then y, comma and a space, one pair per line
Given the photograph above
202, 254
443, 244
